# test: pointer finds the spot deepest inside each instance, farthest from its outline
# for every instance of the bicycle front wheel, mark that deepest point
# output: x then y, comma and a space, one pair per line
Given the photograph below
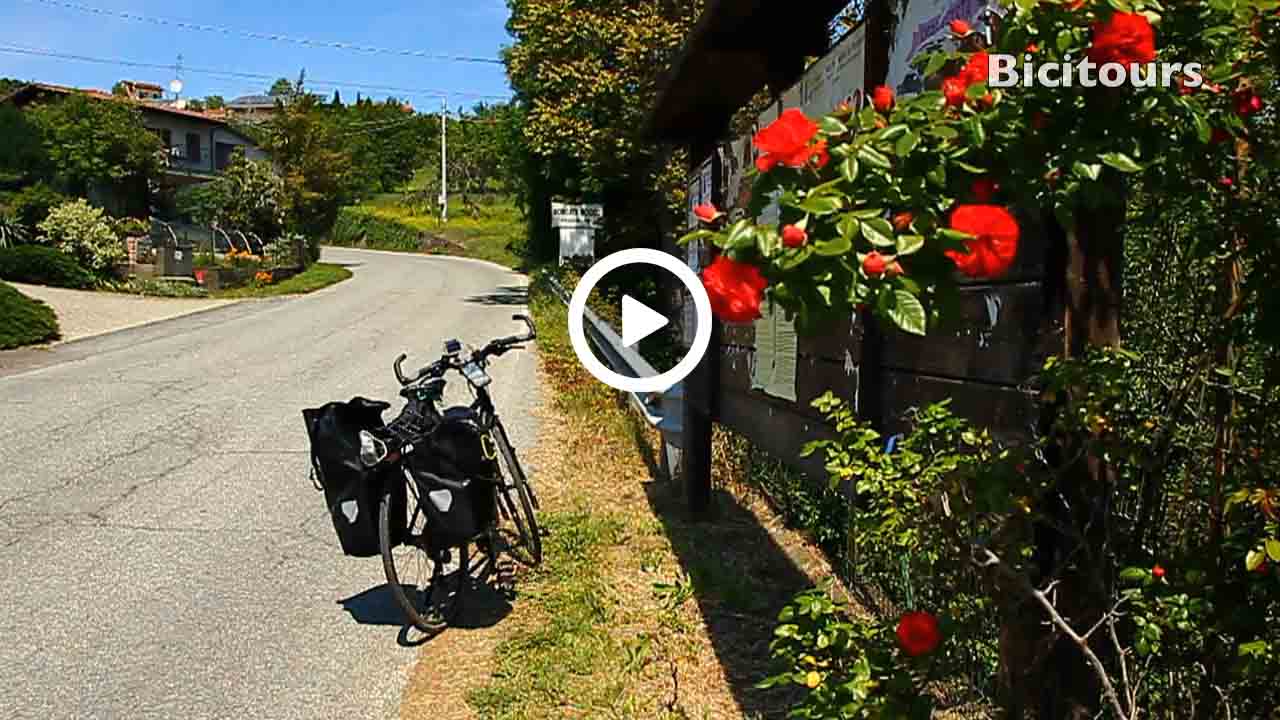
517, 503
427, 583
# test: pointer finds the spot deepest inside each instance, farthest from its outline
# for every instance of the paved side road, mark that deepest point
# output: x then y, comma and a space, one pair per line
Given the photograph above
85, 313
162, 552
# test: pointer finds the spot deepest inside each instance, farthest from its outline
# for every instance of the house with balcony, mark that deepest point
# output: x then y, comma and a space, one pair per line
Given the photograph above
198, 145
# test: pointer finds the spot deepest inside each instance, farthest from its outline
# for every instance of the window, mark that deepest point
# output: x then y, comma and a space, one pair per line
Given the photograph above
193, 148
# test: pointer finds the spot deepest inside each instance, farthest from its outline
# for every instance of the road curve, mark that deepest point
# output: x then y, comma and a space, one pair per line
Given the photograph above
162, 551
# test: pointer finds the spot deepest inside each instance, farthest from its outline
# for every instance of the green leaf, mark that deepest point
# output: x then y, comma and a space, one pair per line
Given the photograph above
695, 236
792, 259
910, 244
849, 227
946, 132
768, 240
906, 144
878, 232
1121, 162
950, 234
1273, 549
832, 126
1064, 40
977, 131
969, 168
825, 292
740, 235
937, 175
1257, 648
849, 169
891, 132
935, 63
836, 246
821, 205
907, 313
1253, 559
1134, 575
873, 157
867, 213
1090, 171
1203, 130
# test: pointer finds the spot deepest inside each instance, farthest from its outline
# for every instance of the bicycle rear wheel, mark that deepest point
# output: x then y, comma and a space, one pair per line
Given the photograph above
517, 503
427, 583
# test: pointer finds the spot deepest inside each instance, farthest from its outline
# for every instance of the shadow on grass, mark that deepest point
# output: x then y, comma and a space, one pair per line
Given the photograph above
505, 295
741, 579
483, 606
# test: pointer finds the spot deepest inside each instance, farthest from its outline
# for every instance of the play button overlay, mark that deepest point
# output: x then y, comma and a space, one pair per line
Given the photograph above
639, 321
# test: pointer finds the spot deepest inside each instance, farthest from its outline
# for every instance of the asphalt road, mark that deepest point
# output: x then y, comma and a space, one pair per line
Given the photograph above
162, 551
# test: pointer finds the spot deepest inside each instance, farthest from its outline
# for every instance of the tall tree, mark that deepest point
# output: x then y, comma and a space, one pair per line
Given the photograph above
281, 88
586, 71
215, 102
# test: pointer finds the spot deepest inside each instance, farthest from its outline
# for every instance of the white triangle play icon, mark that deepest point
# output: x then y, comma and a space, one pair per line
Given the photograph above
638, 321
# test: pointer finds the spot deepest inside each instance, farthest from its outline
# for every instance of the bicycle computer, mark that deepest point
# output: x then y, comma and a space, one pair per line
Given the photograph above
452, 347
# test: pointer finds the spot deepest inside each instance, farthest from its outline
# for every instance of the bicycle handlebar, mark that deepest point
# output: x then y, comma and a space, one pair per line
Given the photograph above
495, 347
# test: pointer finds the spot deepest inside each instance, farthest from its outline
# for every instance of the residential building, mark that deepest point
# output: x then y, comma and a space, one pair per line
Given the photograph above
136, 90
254, 108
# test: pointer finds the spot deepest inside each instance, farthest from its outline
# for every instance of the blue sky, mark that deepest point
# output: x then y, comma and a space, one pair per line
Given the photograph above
466, 27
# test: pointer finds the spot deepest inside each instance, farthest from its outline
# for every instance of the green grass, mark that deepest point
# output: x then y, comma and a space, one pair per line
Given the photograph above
319, 275
541, 667
496, 233
24, 321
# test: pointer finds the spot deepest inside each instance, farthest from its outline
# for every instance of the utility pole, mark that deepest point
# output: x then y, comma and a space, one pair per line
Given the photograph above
444, 160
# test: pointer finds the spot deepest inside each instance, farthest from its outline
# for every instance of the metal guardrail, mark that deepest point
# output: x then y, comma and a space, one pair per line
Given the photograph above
663, 411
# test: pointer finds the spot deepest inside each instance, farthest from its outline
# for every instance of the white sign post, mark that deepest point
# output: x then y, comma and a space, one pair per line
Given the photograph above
577, 225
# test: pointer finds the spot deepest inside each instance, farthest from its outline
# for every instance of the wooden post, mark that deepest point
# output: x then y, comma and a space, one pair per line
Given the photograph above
702, 387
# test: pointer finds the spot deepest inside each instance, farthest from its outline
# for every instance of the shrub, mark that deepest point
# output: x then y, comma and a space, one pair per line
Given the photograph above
132, 227
12, 231
24, 321
355, 224
42, 266
84, 232
31, 204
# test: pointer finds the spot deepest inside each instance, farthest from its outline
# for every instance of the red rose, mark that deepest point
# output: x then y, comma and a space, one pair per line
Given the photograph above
1263, 568
882, 98
960, 28
894, 269
995, 241
1157, 572
1247, 102
902, 221
984, 189
1227, 183
1125, 38
818, 154
954, 88
918, 633
707, 212
735, 289
794, 236
874, 264
787, 142
977, 69
1033, 48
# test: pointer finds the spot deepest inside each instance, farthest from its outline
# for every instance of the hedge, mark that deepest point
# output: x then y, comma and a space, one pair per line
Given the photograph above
355, 224
24, 321
39, 265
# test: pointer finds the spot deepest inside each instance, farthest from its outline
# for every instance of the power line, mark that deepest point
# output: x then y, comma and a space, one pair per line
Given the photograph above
337, 84
254, 35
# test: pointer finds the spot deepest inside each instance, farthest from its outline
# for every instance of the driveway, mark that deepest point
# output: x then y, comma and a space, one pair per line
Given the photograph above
162, 551
84, 313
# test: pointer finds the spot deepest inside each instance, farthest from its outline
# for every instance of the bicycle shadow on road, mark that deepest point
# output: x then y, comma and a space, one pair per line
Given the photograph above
483, 606
504, 295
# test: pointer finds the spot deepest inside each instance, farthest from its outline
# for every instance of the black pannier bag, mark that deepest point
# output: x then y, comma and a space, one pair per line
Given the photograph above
461, 455
352, 491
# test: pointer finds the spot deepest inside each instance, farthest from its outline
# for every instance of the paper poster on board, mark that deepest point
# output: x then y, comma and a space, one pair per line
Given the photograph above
776, 350
837, 77
924, 27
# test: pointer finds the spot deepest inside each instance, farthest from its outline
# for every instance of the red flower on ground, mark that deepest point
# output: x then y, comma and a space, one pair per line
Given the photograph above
874, 264
707, 212
882, 98
918, 633
984, 189
1125, 38
1247, 102
902, 221
735, 289
960, 27
794, 236
954, 88
995, 241
788, 141
1157, 572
